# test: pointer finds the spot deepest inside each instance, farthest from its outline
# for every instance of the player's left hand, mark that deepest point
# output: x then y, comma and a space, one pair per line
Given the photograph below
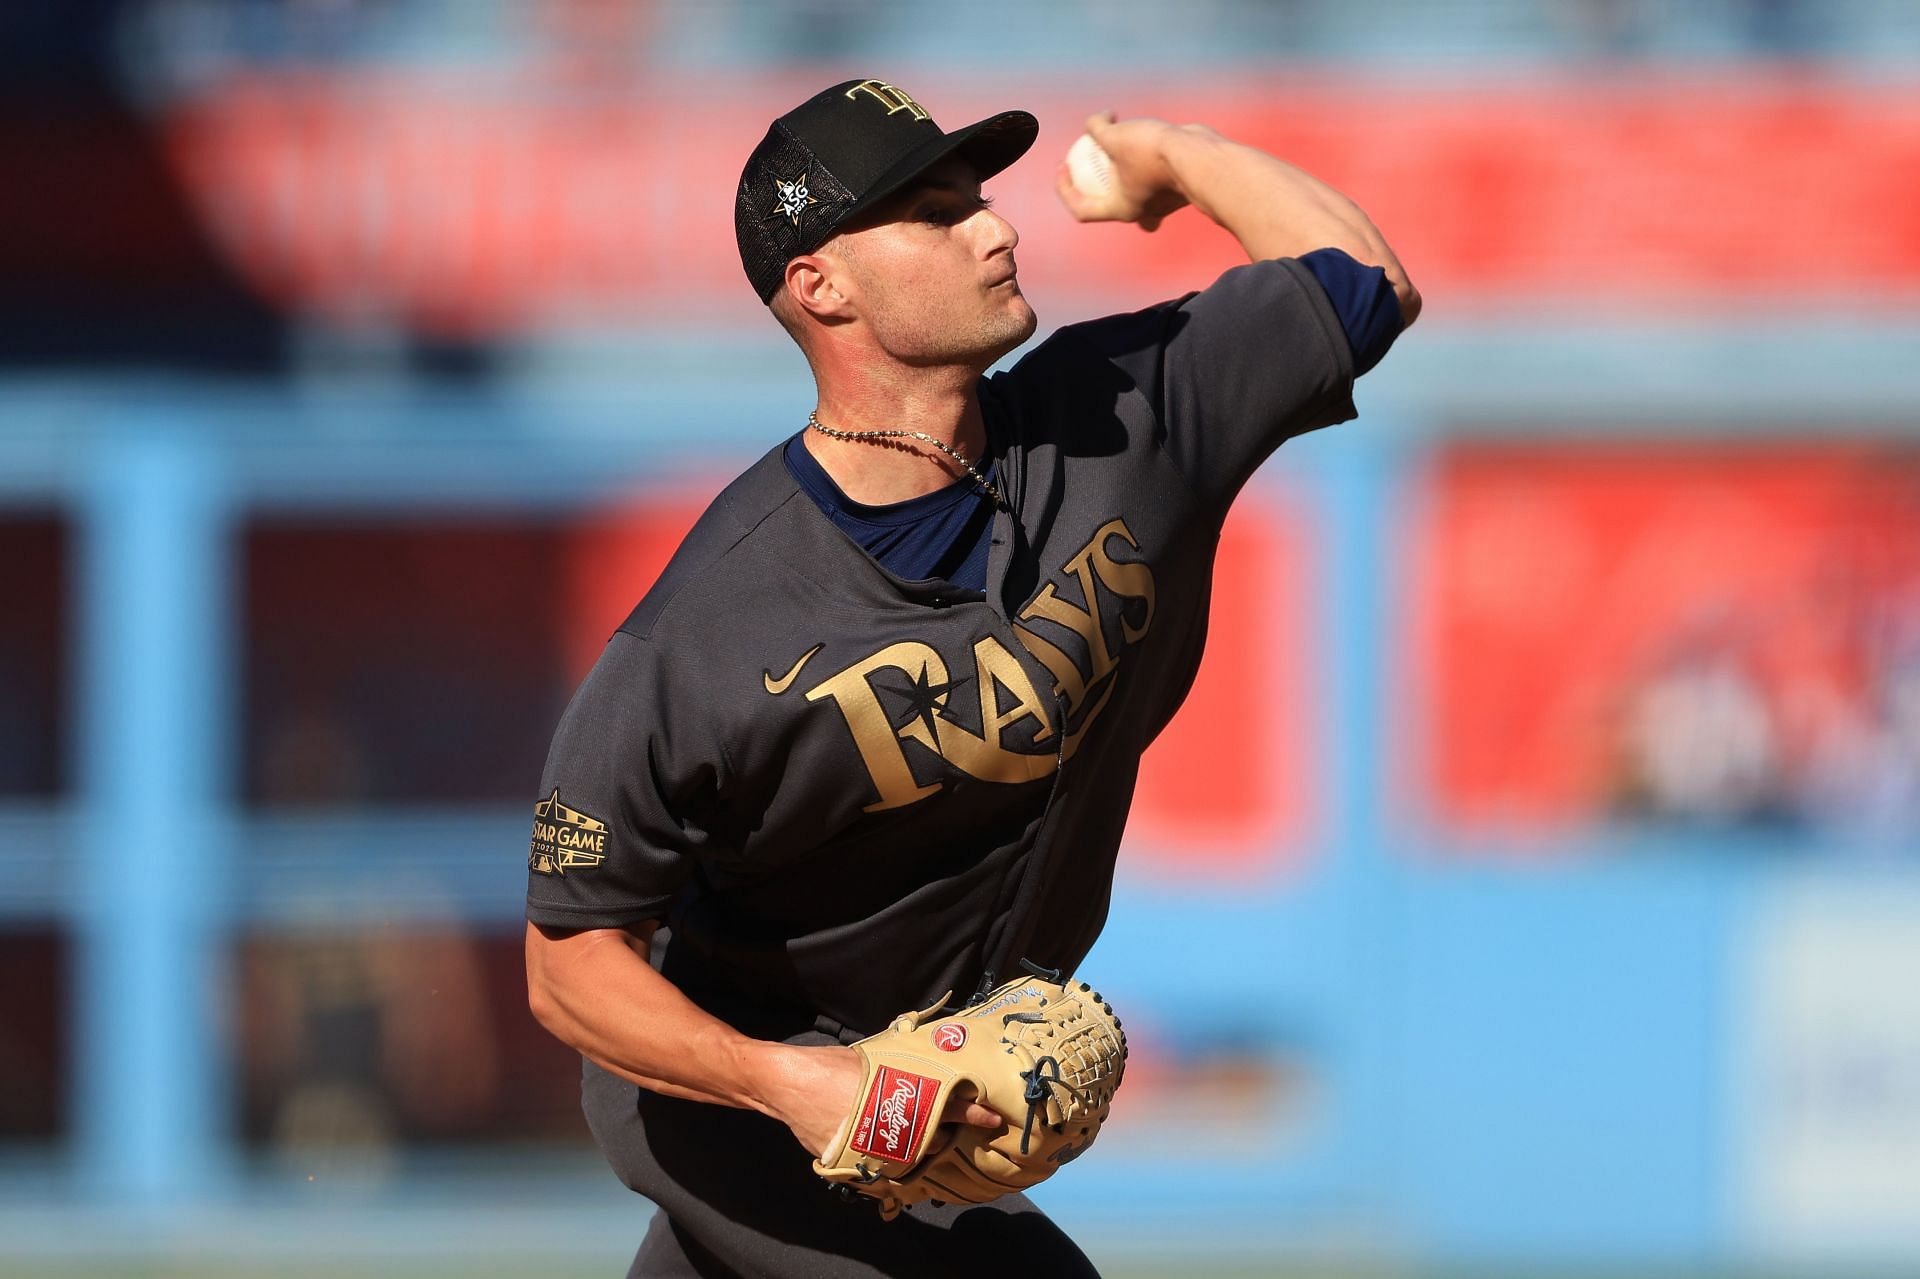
1046, 1055
1145, 189
818, 1087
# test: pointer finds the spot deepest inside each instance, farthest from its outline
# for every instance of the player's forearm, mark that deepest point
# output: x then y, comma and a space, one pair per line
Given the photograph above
1276, 209
596, 992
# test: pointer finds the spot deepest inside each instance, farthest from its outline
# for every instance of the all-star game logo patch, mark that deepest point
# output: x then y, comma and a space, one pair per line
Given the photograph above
794, 199
564, 838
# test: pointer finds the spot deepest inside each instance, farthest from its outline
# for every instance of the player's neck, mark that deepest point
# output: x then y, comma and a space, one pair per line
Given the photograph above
879, 471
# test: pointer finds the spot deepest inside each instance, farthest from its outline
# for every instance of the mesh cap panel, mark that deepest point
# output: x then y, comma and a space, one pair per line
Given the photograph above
788, 204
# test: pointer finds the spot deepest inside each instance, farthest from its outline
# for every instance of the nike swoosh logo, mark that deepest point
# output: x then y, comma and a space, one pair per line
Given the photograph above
781, 685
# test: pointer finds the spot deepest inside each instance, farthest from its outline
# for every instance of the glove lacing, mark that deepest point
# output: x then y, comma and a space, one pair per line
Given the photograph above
1040, 1086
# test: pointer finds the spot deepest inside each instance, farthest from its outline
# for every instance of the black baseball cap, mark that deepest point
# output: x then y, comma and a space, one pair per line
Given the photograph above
841, 152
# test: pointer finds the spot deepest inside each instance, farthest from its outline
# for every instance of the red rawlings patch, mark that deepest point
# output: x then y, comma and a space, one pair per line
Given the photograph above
895, 1114
950, 1038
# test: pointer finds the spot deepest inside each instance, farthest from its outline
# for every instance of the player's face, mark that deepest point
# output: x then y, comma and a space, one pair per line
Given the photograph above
935, 273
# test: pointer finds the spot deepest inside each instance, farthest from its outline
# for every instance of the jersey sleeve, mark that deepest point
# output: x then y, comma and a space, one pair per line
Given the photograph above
625, 800
1235, 370
1364, 299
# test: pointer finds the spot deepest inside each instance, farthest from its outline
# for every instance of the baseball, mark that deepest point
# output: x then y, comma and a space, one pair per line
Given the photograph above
1088, 167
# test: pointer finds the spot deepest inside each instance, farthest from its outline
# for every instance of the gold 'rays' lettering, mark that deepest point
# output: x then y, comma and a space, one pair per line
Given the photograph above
1085, 692
1084, 622
873, 734
1129, 579
983, 756
1000, 669
978, 755
1132, 580
893, 99
1067, 681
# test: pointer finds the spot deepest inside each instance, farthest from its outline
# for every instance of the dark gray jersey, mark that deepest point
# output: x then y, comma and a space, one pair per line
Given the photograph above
847, 793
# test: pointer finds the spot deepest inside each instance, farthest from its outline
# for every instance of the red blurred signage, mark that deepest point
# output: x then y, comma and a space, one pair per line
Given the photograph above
1725, 636
475, 207
614, 559
1225, 786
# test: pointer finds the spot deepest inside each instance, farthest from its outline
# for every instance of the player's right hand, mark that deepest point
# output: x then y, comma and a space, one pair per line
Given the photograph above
1145, 187
818, 1087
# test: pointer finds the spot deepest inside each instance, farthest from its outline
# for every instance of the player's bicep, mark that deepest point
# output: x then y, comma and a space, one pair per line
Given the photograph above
555, 955
549, 939
569, 970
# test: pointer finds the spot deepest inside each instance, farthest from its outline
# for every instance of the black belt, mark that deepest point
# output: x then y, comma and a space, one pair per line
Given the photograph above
839, 1030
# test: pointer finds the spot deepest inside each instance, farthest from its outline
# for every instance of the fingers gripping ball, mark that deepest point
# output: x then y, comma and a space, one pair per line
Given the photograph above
1089, 168
1047, 1056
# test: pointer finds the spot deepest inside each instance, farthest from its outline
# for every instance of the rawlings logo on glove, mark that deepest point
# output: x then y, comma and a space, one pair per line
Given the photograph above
1047, 1056
896, 1113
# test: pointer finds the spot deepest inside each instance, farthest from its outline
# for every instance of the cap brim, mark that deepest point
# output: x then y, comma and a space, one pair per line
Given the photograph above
989, 145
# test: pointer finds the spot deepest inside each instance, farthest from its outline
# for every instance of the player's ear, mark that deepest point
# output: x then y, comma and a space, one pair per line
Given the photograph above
814, 282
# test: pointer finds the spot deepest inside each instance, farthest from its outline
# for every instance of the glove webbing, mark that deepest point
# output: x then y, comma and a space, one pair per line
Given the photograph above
1040, 1084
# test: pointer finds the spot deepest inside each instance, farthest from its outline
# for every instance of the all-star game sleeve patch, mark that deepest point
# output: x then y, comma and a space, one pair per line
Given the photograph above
565, 838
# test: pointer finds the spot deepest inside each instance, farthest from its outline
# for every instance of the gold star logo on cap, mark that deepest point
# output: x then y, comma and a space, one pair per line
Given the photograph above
794, 199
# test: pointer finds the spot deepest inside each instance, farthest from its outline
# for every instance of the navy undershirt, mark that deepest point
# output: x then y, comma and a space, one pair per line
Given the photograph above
946, 534
1368, 310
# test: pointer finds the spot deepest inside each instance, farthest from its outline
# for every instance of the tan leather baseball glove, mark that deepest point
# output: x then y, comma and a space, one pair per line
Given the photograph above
1046, 1056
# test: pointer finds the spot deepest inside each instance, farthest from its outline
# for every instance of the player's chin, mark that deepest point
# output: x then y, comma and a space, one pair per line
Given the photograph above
990, 336
1021, 317
1015, 327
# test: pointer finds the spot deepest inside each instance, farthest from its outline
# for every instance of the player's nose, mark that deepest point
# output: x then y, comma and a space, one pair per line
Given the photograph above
1000, 235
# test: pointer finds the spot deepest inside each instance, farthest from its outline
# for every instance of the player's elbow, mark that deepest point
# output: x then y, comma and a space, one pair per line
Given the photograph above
1370, 248
1408, 296
541, 1003
542, 1000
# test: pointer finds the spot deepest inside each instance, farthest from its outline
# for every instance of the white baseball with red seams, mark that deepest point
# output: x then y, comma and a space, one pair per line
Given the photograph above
1088, 167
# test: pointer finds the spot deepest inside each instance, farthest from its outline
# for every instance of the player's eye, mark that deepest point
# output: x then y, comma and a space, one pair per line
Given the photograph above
950, 211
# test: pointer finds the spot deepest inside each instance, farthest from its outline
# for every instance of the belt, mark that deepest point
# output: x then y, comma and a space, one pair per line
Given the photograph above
839, 1030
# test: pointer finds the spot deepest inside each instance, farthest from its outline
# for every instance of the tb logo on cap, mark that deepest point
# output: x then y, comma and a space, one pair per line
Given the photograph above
891, 98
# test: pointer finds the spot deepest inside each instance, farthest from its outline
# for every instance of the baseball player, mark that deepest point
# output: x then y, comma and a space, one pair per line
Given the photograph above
872, 736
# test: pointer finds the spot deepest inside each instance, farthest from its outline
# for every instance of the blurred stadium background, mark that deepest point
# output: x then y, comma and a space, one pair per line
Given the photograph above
1530, 885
